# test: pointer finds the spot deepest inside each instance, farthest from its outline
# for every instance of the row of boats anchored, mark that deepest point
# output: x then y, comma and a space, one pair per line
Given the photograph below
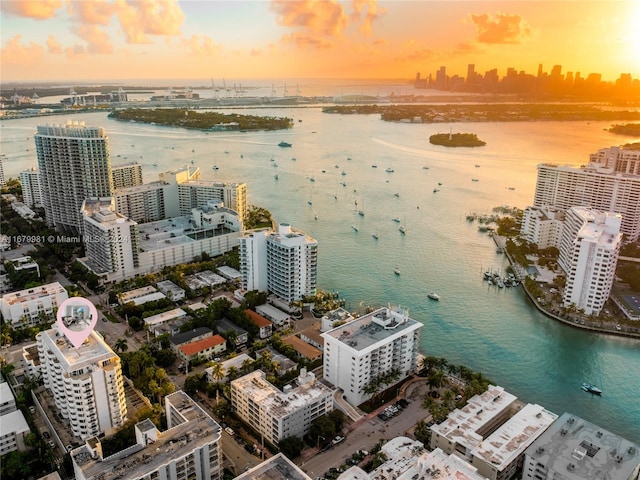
495, 279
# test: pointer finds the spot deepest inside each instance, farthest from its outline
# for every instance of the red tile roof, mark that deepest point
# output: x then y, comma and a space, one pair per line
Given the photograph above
258, 319
201, 345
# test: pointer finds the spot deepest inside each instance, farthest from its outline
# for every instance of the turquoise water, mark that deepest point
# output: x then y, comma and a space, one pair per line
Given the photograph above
492, 330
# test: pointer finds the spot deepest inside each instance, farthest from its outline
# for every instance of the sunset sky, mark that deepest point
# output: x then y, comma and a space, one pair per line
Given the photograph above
99, 40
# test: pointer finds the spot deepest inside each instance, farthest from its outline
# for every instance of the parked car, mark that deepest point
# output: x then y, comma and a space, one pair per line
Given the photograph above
230, 431
46, 435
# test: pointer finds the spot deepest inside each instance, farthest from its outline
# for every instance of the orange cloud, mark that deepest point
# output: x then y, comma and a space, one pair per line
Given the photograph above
95, 12
149, 17
201, 46
53, 46
96, 38
38, 9
15, 53
503, 28
372, 14
319, 16
302, 40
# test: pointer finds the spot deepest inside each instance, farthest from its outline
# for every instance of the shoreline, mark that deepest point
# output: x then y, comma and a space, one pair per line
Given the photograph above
565, 321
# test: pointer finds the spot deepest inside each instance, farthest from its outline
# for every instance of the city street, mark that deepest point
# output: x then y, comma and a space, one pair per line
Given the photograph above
369, 432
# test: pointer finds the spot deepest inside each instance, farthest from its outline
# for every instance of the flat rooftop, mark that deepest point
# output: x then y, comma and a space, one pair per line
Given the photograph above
373, 328
277, 467
275, 401
578, 449
462, 424
92, 350
33, 293
164, 317
176, 231
137, 461
511, 439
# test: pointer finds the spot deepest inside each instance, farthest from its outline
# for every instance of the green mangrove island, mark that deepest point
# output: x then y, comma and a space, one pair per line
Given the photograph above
477, 112
456, 140
183, 117
626, 129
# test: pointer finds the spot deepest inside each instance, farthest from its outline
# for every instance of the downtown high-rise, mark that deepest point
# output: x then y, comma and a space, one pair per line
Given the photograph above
74, 165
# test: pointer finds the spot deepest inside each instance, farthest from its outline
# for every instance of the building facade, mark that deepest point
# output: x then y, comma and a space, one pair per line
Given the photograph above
74, 165
542, 226
31, 192
119, 248
188, 449
86, 382
359, 353
292, 264
283, 262
277, 414
253, 260
595, 186
31, 306
127, 175
111, 240
589, 251
196, 193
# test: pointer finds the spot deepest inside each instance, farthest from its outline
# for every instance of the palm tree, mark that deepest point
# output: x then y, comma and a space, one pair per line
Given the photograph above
436, 379
121, 345
217, 371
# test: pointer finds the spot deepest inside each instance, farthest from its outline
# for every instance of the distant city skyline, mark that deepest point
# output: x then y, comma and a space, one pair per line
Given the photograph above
171, 39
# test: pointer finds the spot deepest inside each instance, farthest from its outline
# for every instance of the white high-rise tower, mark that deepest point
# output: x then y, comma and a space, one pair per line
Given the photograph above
74, 165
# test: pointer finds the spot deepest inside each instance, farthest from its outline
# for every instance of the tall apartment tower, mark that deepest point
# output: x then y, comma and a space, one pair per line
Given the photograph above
283, 262
292, 263
3, 182
74, 164
31, 192
111, 240
596, 186
86, 382
589, 251
196, 193
253, 260
127, 175
359, 353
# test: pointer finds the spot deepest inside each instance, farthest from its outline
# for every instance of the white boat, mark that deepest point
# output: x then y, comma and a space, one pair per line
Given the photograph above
426, 167
396, 270
276, 176
354, 227
591, 389
396, 219
403, 230
215, 167
389, 170
375, 235
433, 296
343, 173
361, 213
397, 195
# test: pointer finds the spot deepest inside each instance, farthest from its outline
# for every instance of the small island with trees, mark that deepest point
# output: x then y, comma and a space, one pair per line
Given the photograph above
456, 140
626, 129
188, 118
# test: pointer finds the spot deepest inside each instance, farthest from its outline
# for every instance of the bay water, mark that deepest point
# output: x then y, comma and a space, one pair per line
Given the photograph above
495, 331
